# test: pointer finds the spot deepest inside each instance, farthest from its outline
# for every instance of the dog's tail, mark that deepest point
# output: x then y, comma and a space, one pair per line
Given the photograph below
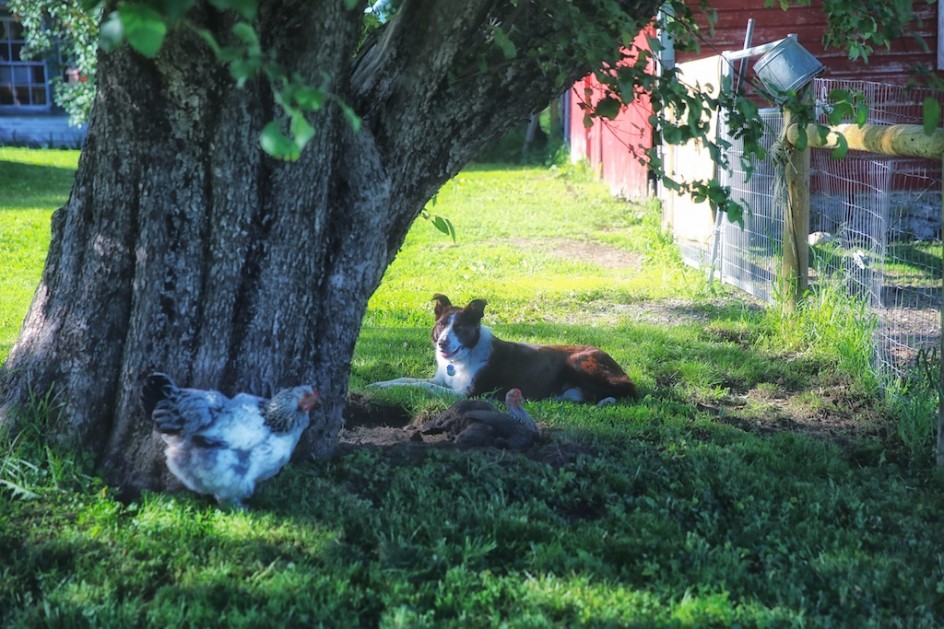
599, 376
621, 387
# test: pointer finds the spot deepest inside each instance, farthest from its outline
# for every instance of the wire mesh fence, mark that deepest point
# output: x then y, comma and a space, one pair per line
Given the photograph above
750, 257
875, 223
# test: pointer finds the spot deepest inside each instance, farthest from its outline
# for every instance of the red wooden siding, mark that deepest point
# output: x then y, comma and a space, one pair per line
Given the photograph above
613, 147
809, 24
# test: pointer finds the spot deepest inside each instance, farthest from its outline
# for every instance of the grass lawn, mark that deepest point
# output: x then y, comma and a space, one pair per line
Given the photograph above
757, 482
32, 185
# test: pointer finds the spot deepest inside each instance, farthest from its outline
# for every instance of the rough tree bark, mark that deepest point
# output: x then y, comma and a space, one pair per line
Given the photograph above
184, 248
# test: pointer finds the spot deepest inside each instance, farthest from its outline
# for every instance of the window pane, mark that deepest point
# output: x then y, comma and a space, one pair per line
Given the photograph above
21, 74
39, 74
39, 95
8, 25
6, 95
21, 95
5, 52
16, 51
6, 75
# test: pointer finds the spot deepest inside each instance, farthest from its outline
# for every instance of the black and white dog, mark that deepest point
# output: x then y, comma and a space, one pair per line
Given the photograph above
471, 361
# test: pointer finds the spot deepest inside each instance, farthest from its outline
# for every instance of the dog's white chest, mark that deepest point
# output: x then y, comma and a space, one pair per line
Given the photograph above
456, 376
458, 372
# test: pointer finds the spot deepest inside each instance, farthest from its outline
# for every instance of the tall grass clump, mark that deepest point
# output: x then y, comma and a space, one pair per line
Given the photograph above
830, 323
912, 403
32, 464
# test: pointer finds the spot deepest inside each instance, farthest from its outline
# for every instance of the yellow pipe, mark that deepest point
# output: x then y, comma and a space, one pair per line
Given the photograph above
905, 140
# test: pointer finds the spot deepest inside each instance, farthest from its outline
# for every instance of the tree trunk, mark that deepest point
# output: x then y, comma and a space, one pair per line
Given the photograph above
184, 248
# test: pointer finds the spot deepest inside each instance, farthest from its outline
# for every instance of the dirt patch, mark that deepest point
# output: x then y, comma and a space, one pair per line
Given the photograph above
390, 428
602, 255
363, 412
667, 312
833, 414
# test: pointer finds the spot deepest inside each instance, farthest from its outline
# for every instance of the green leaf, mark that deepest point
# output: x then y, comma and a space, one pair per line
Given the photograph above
836, 95
276, 143
247, 34
735, 212
508, 48
144, 28
671, 184
112, 33
931, 115
309, 98
802, 140
840, 151
210, 40
302, 131
352, 118
862, 114
245, 8
840, 111
173, 10
243, 69
444, 225
587, 121
608, 107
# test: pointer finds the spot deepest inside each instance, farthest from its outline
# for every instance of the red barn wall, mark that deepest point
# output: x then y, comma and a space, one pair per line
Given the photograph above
613, 147
809, 24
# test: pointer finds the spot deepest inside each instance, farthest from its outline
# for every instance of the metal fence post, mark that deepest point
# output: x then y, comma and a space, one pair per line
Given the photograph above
940, 387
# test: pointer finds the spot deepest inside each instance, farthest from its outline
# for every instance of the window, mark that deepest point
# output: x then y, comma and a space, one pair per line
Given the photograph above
23, 83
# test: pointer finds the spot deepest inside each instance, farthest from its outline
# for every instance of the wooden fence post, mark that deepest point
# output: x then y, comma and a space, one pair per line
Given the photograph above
796, 221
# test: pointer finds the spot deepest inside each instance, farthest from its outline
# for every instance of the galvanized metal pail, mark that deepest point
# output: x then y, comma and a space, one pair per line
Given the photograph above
787, 67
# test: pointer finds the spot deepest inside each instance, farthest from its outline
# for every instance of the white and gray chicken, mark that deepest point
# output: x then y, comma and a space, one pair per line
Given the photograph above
224, 446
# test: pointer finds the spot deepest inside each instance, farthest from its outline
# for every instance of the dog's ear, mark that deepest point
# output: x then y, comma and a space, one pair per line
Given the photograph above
442, 302
476, 308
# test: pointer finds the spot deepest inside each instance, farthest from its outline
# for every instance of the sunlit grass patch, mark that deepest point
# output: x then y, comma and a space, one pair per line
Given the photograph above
32, 184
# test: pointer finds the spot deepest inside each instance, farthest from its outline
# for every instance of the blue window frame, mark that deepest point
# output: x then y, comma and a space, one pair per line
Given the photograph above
24, 84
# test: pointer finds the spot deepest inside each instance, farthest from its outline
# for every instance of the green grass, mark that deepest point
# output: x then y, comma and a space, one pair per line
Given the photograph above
915, 264
694, 506
32, 185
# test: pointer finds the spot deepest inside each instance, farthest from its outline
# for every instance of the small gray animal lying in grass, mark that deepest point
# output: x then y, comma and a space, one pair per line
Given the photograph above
476, 423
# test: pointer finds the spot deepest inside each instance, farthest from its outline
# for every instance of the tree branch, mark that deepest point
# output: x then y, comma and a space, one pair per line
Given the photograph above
416, 48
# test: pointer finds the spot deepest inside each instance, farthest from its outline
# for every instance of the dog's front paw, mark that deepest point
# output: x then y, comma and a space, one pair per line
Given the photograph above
607, 401
386, 384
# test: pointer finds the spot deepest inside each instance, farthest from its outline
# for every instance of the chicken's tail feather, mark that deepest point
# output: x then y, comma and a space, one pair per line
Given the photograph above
157, 387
